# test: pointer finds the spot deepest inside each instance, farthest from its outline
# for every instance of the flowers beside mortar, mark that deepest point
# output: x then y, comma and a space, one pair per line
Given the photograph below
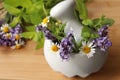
11, 37
65, 44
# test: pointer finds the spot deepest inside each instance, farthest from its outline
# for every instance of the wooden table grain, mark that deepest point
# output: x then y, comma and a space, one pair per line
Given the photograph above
30, 64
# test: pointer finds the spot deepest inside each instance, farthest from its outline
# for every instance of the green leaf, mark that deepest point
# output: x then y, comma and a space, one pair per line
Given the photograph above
30, 28
35, 17
26, 18
12, 3
15, 21
99, 22
32, 35
37, 4
81, 9
40, 44
108, 21
25, 3
87, 22
94, 36
16, 3
11, 10
50, 3
86, 32
37, 36
28, 35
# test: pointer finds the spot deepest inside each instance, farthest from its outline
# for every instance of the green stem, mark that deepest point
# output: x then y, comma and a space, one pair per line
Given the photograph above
44, 10
76, 48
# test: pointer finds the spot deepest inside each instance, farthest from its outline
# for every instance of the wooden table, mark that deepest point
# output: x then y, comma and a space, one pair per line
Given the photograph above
30, 64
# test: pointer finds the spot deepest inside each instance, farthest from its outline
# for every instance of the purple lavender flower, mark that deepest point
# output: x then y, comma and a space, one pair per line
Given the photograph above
103, 41
8, 39
66, 47
17, 30
39, 28
47, 33
6, 42
103, 32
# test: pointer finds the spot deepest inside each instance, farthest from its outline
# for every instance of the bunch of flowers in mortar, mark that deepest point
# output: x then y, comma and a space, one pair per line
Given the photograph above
94, 36
75, 44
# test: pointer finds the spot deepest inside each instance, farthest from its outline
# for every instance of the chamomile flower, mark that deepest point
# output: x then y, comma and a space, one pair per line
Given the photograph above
18, 44
54, 48
17, 36
87, 49
5, 28
7, 35
45, 21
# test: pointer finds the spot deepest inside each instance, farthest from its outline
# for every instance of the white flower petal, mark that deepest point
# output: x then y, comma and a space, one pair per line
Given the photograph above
90, 44
93, 49
90, 55
84, 43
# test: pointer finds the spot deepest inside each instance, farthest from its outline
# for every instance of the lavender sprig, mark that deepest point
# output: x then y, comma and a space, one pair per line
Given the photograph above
47, 33
103, 41
66, 47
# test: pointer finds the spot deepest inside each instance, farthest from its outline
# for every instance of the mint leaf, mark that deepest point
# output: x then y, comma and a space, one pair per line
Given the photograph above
99, 22
40, 43
30, 28
28, 35
94, 35
16, 3
26, 18
37, 36
32, 35
15, 21
81, 9
108, 21
87, 22
25, 3
11, 10
86, 32
35, 17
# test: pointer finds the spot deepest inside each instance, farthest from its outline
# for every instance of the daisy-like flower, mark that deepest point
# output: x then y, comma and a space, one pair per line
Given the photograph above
87, 49
18, 44
45, 21
5, 28
54, 48
7, 35
17, 36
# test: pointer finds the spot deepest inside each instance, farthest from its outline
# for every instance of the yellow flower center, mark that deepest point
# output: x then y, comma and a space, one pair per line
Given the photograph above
18, 46
54, 48
45, 20
8, 35
6, 29
86, 49
17, 37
